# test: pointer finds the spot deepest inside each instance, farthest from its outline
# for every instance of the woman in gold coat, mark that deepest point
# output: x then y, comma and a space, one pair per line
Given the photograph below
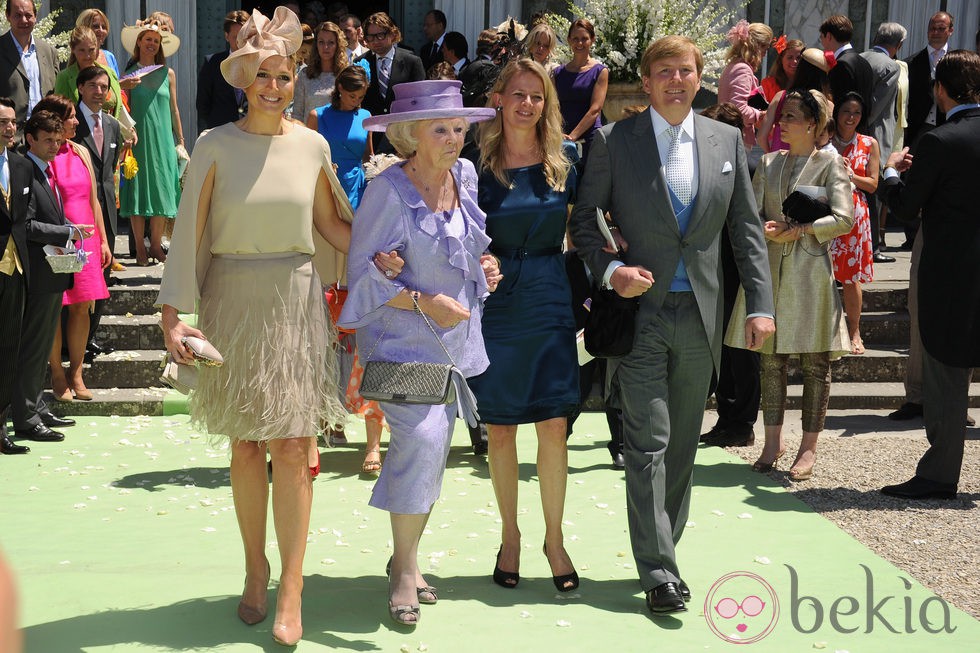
809, 317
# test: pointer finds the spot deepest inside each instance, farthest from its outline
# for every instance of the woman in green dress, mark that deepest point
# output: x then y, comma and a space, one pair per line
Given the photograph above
155, 190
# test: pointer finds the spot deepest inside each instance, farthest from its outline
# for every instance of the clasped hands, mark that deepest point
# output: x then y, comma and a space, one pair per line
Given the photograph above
782, 232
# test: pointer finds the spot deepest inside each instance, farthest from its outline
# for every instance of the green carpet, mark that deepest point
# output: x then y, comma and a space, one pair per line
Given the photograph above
124, 538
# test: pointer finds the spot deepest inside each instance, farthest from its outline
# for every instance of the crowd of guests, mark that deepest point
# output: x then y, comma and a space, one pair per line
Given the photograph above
432, 198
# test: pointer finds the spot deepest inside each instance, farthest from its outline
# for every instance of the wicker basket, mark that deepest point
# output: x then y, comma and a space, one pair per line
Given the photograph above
71, 260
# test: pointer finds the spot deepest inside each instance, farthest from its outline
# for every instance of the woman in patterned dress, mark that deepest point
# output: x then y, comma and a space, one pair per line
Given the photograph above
852, 252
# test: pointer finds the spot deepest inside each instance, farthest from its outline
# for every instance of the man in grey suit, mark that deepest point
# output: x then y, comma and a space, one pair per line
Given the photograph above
28, 66
100, 134
672, 181
883, 111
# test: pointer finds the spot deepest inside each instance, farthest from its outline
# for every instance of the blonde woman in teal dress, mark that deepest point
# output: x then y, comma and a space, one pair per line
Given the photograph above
155, 191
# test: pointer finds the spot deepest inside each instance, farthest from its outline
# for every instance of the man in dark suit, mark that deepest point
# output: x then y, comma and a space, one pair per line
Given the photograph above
99, 133
454, 51
218, 102
434, 28
883, 112
390, 65
941, 183
672, 180
924, 113
28, 66
16, 175
852, 72
45, 288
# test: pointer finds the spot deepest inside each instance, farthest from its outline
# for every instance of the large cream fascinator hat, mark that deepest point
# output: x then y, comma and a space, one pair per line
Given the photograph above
130, 36
259, 39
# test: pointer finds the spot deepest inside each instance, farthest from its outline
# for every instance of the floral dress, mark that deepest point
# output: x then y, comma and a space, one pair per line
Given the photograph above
853, 252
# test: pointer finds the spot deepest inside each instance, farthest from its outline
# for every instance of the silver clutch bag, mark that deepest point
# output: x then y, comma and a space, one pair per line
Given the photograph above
183, 378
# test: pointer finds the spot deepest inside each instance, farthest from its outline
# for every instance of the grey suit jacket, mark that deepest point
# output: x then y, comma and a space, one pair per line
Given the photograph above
104, 162
13, 77
624, 176
883, 112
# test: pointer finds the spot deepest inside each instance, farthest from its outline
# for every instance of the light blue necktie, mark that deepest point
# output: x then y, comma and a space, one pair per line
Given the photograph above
4, 173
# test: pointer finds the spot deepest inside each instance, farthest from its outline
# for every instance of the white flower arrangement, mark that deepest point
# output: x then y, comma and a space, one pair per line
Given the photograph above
624, 28
42, 29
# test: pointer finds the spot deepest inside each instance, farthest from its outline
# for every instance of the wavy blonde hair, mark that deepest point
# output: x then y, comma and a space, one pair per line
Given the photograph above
81, 34
748, 46
315, 64
548, 129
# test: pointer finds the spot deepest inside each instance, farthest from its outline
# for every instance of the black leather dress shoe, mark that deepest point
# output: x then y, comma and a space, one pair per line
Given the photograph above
883, 258
920, 488
99, 349
40, 433
740, 435
684, 590
713, 432
665, 599
478, 438
53, 421
908, 410
616, 451
8, 448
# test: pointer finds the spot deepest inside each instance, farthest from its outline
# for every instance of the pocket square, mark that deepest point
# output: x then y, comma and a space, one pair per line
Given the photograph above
26, 191
112, 146
725, 169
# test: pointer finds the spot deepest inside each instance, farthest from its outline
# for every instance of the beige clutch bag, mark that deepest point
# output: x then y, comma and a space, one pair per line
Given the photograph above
183, 378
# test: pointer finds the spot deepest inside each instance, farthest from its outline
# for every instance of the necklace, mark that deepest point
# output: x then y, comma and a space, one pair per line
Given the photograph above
415, 172
782, 170
842, 143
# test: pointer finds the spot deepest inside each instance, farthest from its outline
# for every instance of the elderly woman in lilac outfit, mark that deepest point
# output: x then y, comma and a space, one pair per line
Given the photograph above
424, 207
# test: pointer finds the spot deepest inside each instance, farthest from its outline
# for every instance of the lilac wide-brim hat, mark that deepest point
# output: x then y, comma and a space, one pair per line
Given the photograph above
427, 100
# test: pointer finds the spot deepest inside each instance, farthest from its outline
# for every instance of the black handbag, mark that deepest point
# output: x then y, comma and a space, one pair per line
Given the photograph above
803, 209
611, 324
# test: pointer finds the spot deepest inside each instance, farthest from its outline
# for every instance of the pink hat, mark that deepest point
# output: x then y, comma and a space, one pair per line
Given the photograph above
426, 100
259, 39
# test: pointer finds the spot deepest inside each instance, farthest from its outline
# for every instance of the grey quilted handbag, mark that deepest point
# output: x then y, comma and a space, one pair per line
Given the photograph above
409, 382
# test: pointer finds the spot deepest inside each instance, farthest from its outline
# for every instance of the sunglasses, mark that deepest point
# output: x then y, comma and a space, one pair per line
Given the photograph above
377, 36
751, 606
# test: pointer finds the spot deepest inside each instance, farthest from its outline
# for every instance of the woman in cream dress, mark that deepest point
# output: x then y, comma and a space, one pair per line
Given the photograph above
809, 317
260, 198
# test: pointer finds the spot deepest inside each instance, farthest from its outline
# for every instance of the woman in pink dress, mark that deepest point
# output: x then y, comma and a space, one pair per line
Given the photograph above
749, 44
75, 181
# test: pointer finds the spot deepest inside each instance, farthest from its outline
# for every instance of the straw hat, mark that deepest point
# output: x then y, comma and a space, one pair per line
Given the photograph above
822, 60
131, 35
259, 39
427, 100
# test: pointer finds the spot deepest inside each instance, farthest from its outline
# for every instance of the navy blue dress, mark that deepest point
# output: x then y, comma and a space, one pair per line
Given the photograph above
528, 327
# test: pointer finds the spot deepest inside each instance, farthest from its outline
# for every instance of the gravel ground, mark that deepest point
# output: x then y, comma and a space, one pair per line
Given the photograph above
936, 542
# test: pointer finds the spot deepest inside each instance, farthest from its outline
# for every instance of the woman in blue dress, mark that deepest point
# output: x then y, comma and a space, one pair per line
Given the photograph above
342, 124
526, 183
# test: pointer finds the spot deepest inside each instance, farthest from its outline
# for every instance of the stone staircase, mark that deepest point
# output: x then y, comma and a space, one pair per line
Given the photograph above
126, 382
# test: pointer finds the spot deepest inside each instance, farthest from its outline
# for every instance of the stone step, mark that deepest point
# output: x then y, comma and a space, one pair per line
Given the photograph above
885, 328
883, 365
885, 296
843, 396
113, 401
125, 368
130, 332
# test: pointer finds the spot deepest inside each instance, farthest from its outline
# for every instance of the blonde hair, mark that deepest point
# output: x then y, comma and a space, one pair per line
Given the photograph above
81, 34
750, 48
532, 37
88, 16
401, 135
315, 65
666, 47
548, 130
